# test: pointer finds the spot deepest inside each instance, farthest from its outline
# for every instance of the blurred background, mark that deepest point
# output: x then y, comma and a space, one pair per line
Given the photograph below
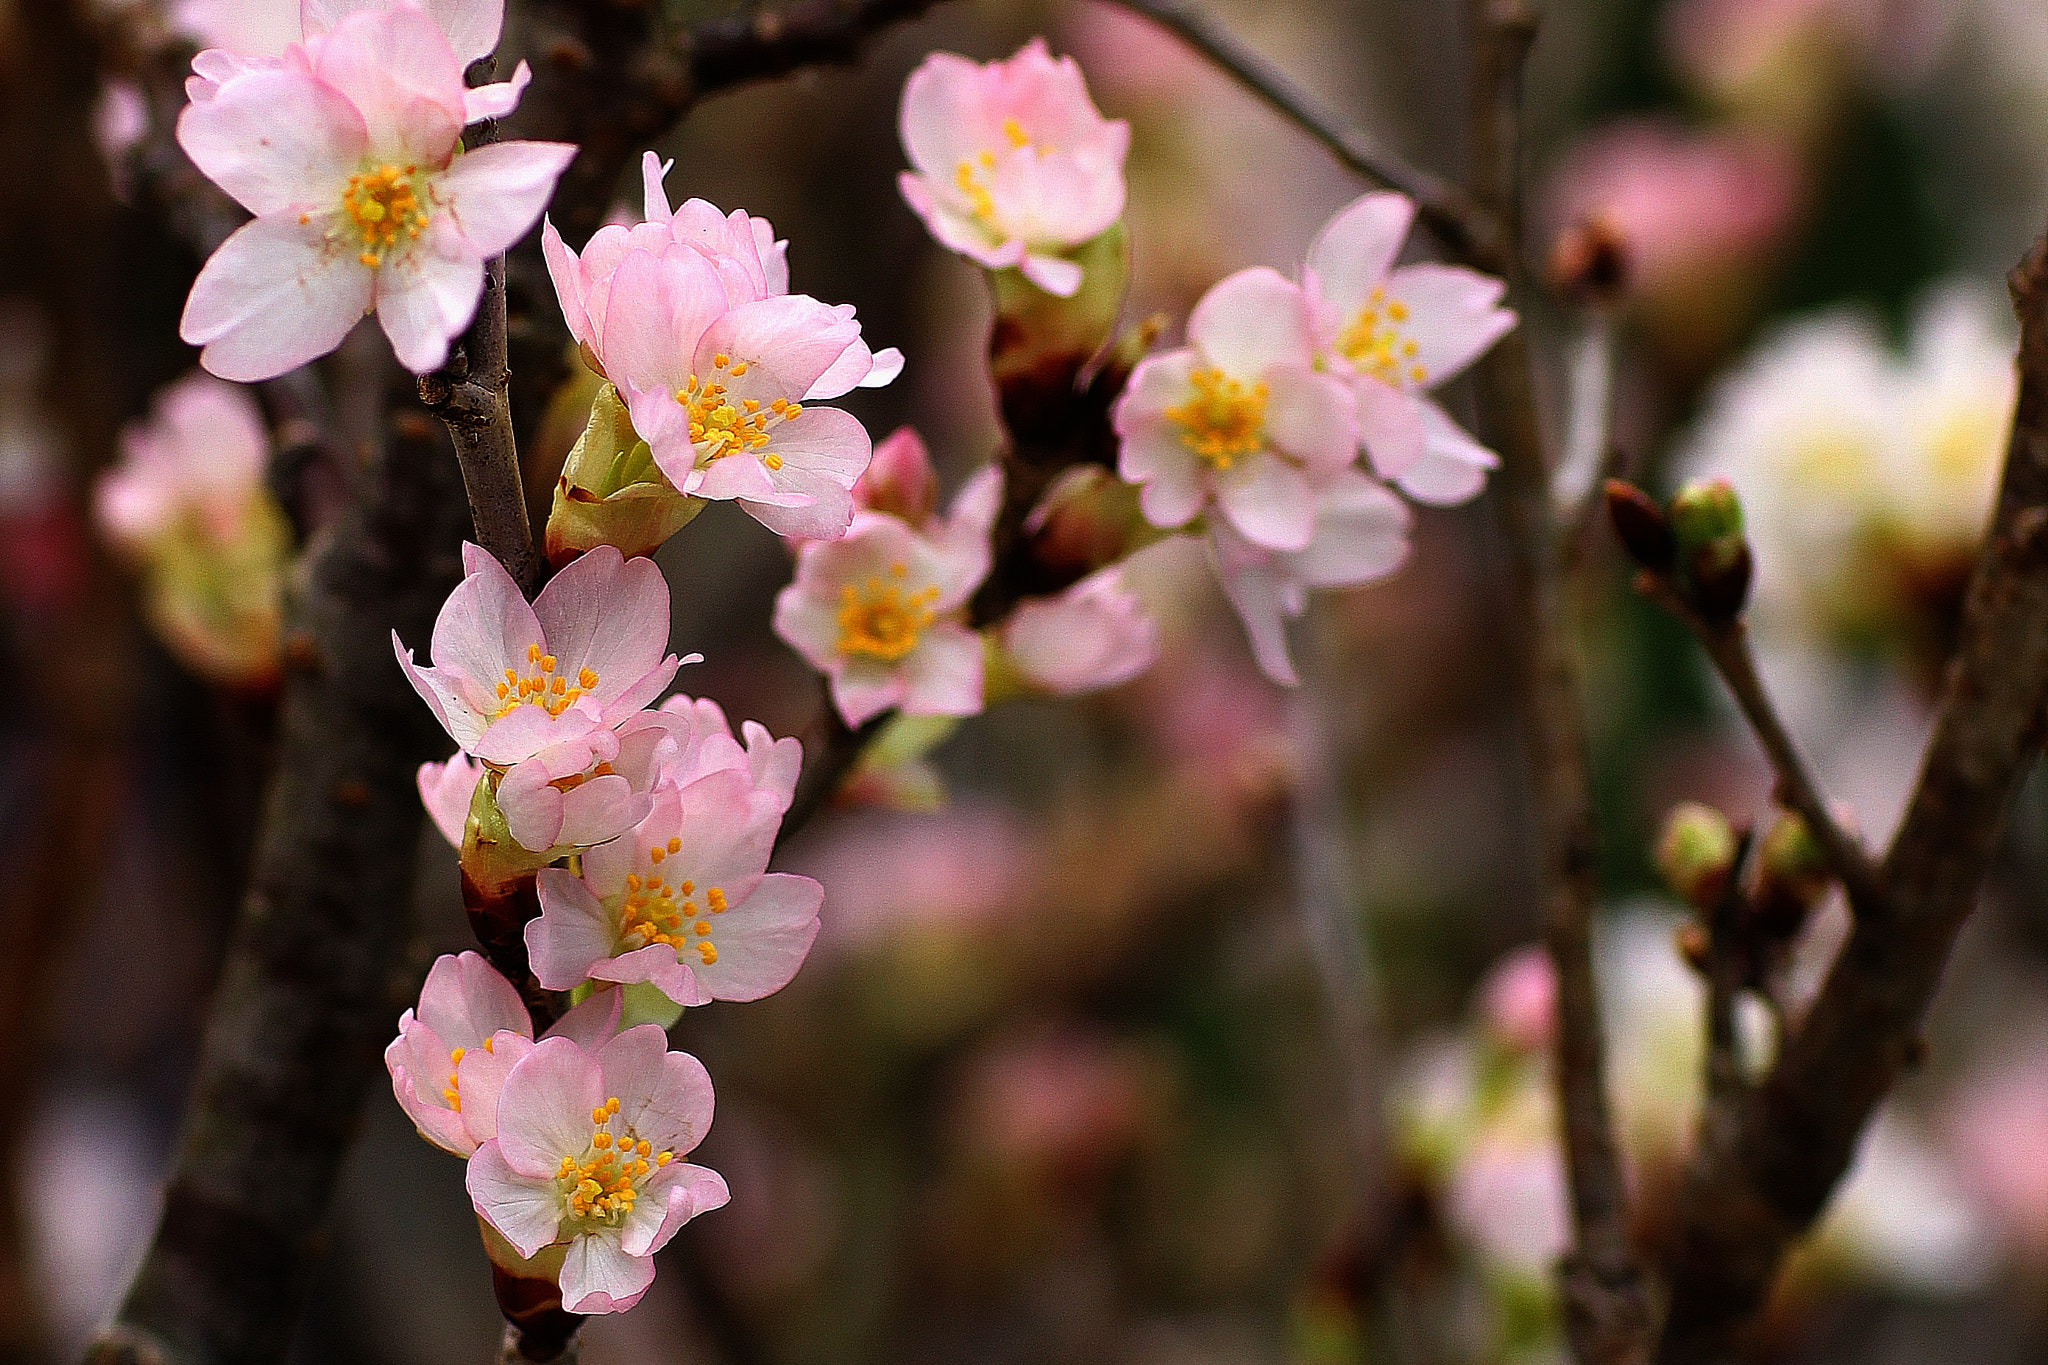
1194, 1022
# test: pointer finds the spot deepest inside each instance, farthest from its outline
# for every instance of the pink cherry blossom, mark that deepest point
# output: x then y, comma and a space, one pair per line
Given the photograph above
880, 613
347, 151
1238, 419
749, 261
707, 745
451, 1055
470, 26
1093, 635
446, 790
586, 1158
684, 901
1360, 533
1518, 1000
1397, 332
1011, 164
511, 681
200, 455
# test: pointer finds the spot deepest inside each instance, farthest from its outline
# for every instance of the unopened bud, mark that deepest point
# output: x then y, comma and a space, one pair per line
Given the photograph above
1589, 264
1644, 530
1792, 876
1696, 853
1704, 510
611, 492
899, 479
1718, 574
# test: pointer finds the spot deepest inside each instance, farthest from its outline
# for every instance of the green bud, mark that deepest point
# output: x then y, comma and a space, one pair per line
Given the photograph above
611, 492
1041, 339
1696, 853
1792, 876
491, 858
1704, 510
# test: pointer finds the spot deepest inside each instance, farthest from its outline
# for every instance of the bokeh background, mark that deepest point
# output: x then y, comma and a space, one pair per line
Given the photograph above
1193, 1022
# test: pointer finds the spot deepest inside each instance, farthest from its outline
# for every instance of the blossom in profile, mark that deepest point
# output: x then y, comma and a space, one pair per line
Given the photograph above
188, 505
1240, 418
511, 680
587, 1160
348, 151
1011, 164
1093, 635
750, 263
899, 480
1358, 533
1396, 332
451, 1054
881, 613
684, 901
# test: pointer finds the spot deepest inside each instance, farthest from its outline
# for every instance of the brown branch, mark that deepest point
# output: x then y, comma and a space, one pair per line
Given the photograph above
1607, 1312
307, 995
1727, 647
1464, 225
1750, 1196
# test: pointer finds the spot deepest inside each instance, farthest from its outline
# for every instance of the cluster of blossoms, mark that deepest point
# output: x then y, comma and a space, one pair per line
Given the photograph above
649, 832
1866, 476
188, 505
348, 149
1257, 424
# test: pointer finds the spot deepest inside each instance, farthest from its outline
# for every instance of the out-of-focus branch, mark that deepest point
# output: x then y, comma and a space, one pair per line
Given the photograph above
1607, 1303
1727, 646
307, 996
1465, 226
1750, 1195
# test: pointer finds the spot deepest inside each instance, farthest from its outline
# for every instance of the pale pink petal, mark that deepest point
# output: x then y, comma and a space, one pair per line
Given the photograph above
653, 170
1355, 249
273, 297
1056, 275
1454, 466
1361, 534
418, 1073
1259, 592
482, 102
1268, 500
1251, 321
426, 298
524, 731
568, 281
763, 940
598, 809
276, 140
942, 675
862, 693
591, 1024
794, 337
446, 790
531, 805
823, 452
1094, 635
480, 1080
598, 1277
544, 1109
396, 67
671, 1197
774, 763
665, 1097
608, 614
465, 1001
649, 339
486, 625
1453, 316
887, 364
471, 26
497, 192
526, 1210
572, 932
1312, 417
1389, 426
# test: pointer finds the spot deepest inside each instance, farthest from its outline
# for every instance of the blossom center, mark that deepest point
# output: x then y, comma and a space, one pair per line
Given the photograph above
1224, 421
656, 910
881, 618
973, 173
385, 207
1375, 344
601, 1185
542, 686
722, 424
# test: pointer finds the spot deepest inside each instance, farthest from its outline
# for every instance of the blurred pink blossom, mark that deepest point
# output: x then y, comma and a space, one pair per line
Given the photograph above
1012, 165
1093, 635
1518, 1000
1998, 1129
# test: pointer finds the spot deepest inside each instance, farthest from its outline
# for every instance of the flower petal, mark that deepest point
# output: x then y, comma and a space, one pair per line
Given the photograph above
572, 932
276, 139
1355, 249
525, 1209
498, 191
599, 1277
1251, 321
544, 1109
273, 297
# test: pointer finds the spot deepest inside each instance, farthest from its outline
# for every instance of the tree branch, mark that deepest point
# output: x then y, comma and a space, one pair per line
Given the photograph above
1727, 647
1465, 226
1607, 1308
1750, 1196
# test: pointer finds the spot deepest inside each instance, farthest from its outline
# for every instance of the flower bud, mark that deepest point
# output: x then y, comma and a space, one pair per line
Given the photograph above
1704, 510
899, 479
1642, 527
1718, 573
1589, 264
1696, 853
1088, 519
611, 492
1041, 341
1792, 876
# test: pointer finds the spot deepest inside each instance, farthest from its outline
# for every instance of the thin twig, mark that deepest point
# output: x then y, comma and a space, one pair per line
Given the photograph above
1727, 647
1607, 1301
1750, 1196
1464, 225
